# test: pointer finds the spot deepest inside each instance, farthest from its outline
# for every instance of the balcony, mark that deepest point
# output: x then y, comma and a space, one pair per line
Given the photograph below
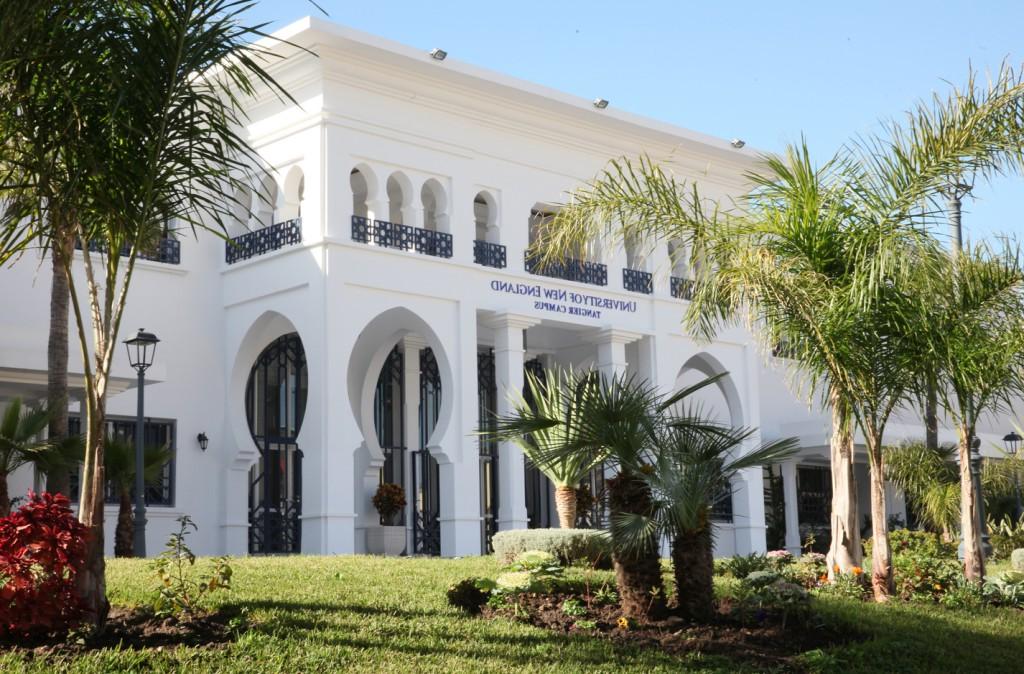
166, 251
637, 281
401, 237
260, 241
489, 254
682, 288
570, 269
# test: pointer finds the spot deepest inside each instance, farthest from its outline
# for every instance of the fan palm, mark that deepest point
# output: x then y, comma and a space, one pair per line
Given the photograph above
119, 462
694, 463
554, 396
20, 443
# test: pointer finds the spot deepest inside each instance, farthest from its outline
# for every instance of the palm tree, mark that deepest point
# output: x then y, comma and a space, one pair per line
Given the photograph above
120, 469
159, 137
20, 443
810, 243
975, 325
930, 479
695, 461
556, 396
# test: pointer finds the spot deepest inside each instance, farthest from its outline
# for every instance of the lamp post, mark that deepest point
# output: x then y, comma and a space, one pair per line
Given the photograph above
1012, 442
986, 547
141, 349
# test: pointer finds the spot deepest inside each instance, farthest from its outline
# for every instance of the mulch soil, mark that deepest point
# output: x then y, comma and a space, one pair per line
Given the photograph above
765, 642
136, 629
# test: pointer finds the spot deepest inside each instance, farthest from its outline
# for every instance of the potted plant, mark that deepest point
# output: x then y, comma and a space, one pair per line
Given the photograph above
387, 539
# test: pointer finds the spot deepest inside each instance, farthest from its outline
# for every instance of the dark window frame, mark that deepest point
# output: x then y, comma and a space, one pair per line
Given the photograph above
172, 465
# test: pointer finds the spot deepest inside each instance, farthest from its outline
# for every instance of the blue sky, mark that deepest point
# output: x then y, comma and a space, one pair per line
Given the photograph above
762, 71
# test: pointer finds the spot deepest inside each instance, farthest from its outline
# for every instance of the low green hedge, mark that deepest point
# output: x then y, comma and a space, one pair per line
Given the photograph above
571, 546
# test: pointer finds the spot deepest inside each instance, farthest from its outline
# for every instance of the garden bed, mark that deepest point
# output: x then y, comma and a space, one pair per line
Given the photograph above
140, 629
765, 641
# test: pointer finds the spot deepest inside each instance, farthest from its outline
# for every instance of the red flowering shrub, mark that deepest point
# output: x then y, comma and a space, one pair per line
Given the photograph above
42, 547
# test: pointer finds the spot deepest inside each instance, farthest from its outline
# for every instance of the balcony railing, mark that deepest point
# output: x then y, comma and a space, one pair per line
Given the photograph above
570, 269
167, 251
489, 254
637, 281
682, 288
402, 237
260, 241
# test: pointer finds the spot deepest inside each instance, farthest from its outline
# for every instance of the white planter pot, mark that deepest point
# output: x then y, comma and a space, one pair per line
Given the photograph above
389, 541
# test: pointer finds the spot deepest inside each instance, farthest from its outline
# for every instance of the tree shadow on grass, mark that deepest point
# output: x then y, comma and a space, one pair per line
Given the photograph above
321, 622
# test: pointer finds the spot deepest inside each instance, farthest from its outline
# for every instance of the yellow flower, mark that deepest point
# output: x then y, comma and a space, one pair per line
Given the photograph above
937, 586
623, 622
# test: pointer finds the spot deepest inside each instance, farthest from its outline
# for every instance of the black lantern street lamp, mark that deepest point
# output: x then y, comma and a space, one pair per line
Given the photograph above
141, 349
1012, 442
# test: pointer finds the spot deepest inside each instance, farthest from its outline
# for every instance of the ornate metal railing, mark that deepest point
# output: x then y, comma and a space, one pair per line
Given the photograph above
570, 269
489, 254
402, 237
167, 251
260, 241
682, 288
637, 281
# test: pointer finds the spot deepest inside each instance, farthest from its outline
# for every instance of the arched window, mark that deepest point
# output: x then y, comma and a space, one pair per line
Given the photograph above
677, 258
241, 210
435, 206
266, 203
485, 215
399, 197
360, 192
294, 193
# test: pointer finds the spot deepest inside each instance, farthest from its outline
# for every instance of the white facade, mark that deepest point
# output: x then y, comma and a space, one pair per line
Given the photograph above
384, 132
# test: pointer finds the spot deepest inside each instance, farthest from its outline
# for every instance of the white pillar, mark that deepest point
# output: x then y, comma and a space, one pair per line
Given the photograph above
508, 369
793, 543
748, 487
236, 520
611, 350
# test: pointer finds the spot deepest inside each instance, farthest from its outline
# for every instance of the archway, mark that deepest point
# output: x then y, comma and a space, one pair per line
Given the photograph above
275, 403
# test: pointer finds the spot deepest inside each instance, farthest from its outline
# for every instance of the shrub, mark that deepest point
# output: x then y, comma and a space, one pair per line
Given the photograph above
389, 500
1017, 559
535, 560
574, 607
570, 546
742, 566
780, 558
470, 594
923, 577
963, 594
181, 590
1006, 590
761, 579
846, 585
42, 549
916, 542
1005, 537
808, 571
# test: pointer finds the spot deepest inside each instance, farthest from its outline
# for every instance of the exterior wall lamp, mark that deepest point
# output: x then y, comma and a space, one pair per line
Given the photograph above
204, 441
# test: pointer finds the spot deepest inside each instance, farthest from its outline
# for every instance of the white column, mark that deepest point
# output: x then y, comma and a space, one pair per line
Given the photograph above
792, 514
236, 520
748, 487
611, 350
508, 367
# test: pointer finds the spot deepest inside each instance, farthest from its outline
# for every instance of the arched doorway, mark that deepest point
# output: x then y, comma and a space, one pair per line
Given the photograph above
275, 402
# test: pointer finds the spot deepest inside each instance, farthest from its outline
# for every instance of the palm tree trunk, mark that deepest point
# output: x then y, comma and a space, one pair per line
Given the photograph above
844, 549
881, 551
59, 480
693, 568
5, 498
637, 571
970, 536
91, 580
124, 535
565, 503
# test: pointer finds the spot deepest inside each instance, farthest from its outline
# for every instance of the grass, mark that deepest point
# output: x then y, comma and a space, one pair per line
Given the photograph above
327, 614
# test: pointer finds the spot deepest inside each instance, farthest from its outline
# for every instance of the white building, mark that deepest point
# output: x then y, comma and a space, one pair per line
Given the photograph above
355, 331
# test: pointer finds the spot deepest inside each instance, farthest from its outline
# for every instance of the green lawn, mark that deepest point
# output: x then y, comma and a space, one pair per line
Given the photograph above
327, 614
